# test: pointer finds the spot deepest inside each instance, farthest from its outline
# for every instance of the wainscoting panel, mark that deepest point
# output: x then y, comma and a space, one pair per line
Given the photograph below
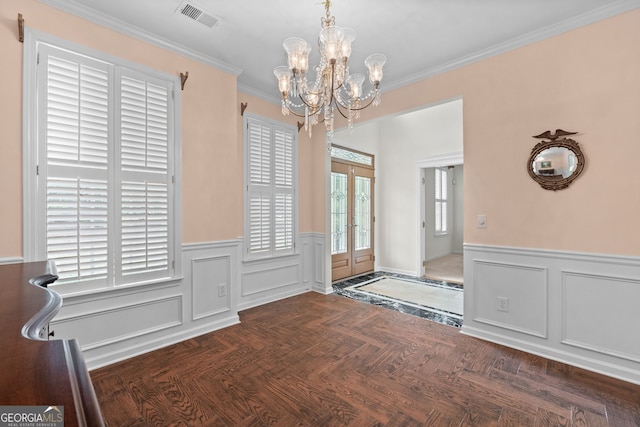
124, 322
522, 288
586, 298
274, 275
577, 308
267, 280
120, 323
210, 281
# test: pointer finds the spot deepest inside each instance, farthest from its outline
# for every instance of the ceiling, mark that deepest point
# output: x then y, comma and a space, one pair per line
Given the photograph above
419, 37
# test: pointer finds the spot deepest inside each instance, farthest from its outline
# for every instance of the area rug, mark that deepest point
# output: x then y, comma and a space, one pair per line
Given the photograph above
437, 301
423, 294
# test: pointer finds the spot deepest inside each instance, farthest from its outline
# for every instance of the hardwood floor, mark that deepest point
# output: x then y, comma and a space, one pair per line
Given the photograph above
316, 360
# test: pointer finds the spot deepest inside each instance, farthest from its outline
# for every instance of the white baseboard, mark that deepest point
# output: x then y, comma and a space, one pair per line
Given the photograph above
398, 271
589, 364
567, 306
107, 358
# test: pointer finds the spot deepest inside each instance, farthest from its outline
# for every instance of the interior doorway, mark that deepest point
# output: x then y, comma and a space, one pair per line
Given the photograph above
352, 213
442, 218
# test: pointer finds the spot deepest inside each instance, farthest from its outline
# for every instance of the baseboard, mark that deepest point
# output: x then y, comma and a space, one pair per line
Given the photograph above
587, 363
166, 340
562, 305
398, 271
11, 260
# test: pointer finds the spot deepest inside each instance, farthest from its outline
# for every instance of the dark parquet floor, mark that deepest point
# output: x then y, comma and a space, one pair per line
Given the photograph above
316, 360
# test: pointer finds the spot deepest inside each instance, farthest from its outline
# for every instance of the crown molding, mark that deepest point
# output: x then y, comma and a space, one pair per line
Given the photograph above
591, 17
74, 8
258, 94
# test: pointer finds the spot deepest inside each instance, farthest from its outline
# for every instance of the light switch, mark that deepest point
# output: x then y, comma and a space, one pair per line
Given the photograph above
481, 221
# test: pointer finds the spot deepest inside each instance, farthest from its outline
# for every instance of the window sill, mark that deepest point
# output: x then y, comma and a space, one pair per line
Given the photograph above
269, 259
129, 288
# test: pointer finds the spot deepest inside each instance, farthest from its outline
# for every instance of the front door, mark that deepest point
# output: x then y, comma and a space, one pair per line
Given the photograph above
351, 219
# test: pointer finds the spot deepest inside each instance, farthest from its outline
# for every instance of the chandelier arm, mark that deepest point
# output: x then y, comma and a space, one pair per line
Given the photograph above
354, 108
295, 113
364, 106
339, 108
304, 101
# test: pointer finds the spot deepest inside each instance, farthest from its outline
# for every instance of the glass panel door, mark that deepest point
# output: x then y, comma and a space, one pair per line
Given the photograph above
339, 214
351, 219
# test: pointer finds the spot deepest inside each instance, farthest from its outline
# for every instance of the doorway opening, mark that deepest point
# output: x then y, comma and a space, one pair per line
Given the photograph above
442, 222
352, 213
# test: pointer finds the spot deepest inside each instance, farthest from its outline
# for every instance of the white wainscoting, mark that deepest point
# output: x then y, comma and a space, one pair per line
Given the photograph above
119, 324
266, 280
577, 308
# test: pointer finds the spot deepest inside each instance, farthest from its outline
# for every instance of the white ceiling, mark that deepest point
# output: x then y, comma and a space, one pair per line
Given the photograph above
419, 37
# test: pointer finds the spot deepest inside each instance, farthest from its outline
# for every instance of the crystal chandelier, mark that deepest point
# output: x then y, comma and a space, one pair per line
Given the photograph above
334, 87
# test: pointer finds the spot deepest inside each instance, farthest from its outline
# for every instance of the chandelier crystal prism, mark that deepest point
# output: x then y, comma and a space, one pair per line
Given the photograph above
334, 87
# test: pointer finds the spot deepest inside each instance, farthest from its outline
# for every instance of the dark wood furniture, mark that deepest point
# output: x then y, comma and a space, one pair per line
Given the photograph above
33, 370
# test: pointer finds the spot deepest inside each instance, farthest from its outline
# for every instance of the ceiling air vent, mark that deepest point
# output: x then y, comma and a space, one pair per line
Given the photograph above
191, 11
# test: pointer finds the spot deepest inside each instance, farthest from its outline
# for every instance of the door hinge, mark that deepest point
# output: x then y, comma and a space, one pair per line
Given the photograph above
37, 169
423, 180
423, 224
173, 265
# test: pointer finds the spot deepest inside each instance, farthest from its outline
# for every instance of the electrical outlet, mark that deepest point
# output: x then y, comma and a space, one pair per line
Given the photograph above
503, 304
222, 290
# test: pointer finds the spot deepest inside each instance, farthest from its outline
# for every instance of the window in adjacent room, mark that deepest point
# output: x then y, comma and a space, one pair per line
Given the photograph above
101, 144
441, 181
270, 224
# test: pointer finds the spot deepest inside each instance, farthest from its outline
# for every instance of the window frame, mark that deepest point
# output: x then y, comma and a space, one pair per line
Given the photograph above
34, 201
441, 203
272, 252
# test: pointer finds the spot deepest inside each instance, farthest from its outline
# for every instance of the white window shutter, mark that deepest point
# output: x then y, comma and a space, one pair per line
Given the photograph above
144, 190
271, 185
283, 189
105, 159
75, 106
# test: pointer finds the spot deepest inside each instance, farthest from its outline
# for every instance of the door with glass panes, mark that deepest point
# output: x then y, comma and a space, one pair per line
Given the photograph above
351, 218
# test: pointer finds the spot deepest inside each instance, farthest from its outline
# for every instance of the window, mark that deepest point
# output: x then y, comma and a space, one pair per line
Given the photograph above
441, 181
103, 145
271, 188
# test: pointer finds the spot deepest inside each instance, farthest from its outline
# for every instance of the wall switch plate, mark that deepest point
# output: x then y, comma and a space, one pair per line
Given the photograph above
222, 290
503, 304
481, 221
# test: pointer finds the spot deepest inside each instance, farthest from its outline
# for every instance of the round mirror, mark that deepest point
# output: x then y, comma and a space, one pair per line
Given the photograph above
555, 164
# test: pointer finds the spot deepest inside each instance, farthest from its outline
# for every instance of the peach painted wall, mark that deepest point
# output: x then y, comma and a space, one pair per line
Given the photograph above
585, 80
211, 159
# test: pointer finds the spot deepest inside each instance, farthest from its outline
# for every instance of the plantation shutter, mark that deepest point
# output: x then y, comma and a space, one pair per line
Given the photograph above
104, 170
260, 186
144, 187
74, 105
270, 201
283, 189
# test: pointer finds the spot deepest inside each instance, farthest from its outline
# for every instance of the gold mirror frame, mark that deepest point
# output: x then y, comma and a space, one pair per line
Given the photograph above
557, 182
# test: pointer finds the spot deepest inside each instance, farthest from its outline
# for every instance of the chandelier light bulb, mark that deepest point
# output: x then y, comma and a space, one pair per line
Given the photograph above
355, 85
283, 74
349, 37
375, 63
331, 42
297, 54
